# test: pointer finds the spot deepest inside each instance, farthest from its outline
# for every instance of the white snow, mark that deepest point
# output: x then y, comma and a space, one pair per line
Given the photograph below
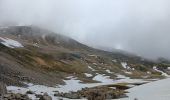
73, 84
92, 55
10, 43
124, 79
92, 69
148, 72
114, 60
128, 72
88, 75
157, 90
108, 71
121, 79
38, 89
102, 78
70, 85
124, 65
95, 56
168, 68
163, 73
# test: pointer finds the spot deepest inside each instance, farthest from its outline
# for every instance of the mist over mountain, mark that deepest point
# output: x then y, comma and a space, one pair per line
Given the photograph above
140, 27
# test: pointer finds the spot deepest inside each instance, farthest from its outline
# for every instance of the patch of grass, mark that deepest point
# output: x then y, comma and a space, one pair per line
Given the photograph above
120, 86
154, 76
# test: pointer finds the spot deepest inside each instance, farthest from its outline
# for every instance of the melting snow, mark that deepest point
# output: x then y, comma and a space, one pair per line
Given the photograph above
92, 55
148, 72
168, 68
10, 43
124, 64
163, 73
128, 72
102, 78
91, 68
88, 75
38, 89
108, 71
73, 84
158, 90
133, 68
114, 60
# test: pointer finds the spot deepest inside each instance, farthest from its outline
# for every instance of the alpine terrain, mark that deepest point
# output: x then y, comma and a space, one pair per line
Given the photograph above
37, 64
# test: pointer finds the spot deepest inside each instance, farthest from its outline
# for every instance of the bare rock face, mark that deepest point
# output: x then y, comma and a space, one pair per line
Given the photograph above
3, 89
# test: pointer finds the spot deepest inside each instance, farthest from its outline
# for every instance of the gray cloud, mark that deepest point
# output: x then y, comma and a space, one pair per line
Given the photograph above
139, 26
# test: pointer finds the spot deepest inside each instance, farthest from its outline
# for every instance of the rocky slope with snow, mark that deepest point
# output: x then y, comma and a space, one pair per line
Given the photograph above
43, 60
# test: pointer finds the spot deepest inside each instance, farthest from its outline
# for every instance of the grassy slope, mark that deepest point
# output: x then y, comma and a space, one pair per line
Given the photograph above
59, 56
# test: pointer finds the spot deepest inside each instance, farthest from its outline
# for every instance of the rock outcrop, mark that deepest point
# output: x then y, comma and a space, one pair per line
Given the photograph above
45, 97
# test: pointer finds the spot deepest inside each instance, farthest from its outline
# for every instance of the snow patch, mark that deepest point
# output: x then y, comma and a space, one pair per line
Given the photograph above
114, 60
10, 43
124, 79
168, 68
73, 84
102, 78
128, 72
163, 73
91, 68
158, 90
124, 65
148, 72
108, 71
37, 89
93, 56
88, 75
133, 69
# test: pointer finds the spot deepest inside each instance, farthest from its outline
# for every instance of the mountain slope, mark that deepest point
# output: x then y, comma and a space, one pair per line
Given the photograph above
34, 55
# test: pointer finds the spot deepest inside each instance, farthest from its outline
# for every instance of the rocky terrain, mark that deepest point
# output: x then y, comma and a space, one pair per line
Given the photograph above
31, 55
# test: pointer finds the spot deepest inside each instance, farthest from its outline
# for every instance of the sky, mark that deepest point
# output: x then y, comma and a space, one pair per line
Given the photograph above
138, 26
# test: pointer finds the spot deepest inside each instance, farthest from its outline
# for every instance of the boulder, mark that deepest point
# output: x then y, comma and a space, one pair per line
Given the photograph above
72, 95
29, 92
45, 97
38, 95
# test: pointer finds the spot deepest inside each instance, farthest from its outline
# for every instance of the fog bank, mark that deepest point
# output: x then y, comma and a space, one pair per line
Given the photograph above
138, 26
